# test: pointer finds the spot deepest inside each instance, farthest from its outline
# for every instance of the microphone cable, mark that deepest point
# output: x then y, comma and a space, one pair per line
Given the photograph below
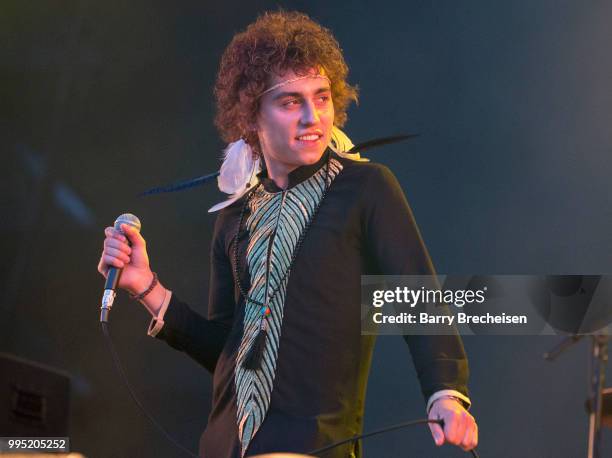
123, 376
404, 424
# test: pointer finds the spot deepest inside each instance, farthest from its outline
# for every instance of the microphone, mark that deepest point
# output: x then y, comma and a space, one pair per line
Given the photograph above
114, 273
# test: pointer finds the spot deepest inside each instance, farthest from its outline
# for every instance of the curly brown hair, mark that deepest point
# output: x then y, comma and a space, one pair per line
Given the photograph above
275, 43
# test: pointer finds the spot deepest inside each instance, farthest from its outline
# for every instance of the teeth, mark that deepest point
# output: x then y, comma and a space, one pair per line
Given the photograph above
309, 137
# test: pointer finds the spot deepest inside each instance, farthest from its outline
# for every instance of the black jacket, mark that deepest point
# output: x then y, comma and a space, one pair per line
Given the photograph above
363, 226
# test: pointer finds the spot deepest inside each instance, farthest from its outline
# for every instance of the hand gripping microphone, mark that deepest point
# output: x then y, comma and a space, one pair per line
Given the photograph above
114, 273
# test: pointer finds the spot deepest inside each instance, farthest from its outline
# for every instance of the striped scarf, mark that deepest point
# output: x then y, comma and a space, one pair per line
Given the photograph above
276, 223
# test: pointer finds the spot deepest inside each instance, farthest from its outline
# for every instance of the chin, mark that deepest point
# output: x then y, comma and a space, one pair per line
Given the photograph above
311, 158
308, 156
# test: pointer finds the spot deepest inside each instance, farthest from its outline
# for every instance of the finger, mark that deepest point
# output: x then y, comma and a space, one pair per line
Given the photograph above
102, 268
114, 233
454, 427
133, 235
112, 261
474, 443
117, 254
462, 424
117, 244
468, 437
437, 433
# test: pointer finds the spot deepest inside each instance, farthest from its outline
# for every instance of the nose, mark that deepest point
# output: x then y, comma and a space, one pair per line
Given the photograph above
310, 114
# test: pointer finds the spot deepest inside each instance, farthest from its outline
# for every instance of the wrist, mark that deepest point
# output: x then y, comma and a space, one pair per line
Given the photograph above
154, 301
448, 397
147, 291
141, 284
463, 399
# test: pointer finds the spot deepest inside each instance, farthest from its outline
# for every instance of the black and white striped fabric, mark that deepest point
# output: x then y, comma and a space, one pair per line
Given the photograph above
275, 225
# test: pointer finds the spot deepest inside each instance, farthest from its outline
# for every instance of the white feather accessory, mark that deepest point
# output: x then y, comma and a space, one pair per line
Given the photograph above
238, 172
237, 167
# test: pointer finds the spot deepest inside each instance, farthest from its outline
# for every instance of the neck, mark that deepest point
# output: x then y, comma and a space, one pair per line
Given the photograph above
279, 172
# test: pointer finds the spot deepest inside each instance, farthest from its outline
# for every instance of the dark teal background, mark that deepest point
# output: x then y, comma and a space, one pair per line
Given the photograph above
511, 174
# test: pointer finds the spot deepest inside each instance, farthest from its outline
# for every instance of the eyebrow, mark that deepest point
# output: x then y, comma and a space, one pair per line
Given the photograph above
281, 95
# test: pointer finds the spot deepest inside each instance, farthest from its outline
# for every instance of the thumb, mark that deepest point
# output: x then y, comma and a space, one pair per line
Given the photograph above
437, 433
133, 236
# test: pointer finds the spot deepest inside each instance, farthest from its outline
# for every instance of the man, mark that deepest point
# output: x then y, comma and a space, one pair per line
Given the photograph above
304, 221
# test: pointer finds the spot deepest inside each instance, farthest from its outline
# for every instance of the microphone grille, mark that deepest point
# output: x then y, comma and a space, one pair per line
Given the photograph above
129, 219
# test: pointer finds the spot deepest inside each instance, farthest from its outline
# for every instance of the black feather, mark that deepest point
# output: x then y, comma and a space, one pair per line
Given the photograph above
206, 178
181, 185
380, 141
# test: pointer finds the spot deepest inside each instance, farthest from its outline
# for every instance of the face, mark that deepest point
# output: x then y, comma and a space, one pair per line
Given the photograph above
295, 122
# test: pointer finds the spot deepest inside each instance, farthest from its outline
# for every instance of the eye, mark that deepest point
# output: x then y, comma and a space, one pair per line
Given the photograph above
323, 99
291, 103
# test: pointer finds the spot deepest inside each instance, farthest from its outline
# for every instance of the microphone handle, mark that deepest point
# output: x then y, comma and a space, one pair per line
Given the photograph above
112, 278
109, 292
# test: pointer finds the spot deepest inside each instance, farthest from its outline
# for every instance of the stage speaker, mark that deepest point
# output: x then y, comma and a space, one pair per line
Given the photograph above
34, 399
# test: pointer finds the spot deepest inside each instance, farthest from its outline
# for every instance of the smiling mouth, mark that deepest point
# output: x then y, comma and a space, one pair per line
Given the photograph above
309, 137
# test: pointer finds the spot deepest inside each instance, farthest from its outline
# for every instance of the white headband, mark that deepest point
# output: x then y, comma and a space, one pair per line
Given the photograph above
292, 80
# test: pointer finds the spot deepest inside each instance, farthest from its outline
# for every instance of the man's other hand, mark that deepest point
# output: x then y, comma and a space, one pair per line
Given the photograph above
460, 428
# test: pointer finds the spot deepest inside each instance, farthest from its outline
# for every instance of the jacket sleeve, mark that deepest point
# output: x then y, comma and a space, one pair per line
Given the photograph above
395, 247
184, 329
